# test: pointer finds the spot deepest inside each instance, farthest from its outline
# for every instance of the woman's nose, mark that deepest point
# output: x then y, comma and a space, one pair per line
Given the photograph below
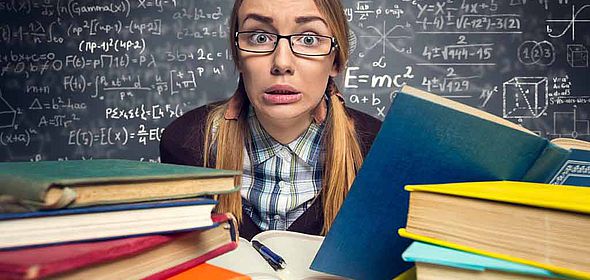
283, 59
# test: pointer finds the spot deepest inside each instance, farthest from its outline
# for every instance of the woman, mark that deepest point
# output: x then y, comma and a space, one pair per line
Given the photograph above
285, 126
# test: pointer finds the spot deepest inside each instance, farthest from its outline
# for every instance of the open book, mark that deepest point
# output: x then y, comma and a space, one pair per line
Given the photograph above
297, 249
428, 139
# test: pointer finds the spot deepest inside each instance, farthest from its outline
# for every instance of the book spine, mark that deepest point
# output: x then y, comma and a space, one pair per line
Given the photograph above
547, 164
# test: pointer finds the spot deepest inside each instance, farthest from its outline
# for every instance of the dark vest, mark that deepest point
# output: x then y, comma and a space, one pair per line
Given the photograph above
182, 143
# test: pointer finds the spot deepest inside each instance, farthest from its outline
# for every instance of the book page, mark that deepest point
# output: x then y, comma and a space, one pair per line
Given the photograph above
246, 260
297, 249
569, 143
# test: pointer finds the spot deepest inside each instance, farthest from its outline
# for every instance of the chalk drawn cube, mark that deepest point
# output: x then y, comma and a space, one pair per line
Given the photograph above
7, 114
525, 97
577, 55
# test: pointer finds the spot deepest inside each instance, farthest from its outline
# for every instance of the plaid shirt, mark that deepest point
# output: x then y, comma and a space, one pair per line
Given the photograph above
280, 181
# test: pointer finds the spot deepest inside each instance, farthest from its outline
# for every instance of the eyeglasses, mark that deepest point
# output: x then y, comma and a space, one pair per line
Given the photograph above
302, 44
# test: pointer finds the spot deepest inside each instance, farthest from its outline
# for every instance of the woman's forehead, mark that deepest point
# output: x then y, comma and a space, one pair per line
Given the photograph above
273, 11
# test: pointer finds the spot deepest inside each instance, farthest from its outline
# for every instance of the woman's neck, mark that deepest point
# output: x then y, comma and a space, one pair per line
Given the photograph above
285, 131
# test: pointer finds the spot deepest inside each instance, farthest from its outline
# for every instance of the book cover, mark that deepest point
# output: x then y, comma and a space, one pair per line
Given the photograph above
424, 139
100, 222
58, 184
100, 256
432, 254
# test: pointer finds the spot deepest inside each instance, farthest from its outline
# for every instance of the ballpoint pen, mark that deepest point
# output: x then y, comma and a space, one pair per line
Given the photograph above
271, 257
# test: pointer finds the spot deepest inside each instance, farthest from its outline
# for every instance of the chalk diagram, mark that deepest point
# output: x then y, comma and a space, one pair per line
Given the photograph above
577, 55
533, 52
387, 38
352, 42
571, 22
542, 2
568, 124
7, 113
525, 97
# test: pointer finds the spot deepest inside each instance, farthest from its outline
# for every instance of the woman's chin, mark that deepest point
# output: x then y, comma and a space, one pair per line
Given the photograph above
284, 112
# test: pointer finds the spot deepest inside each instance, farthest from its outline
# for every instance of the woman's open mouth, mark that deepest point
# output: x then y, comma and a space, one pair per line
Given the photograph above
282, 94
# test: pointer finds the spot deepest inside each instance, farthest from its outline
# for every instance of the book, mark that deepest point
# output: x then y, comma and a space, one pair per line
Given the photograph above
436, 262
101, 222
427, 139
209, 272
297, 249
542, 225
30, 186
155, 256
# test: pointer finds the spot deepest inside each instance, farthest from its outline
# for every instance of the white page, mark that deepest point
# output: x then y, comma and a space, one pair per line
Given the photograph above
297, 249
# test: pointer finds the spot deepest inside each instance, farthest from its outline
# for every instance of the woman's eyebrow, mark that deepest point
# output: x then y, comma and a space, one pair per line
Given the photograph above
269, 20
258, 17
306, 19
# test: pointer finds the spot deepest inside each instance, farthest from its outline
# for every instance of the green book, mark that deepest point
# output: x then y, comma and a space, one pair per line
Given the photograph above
28, 186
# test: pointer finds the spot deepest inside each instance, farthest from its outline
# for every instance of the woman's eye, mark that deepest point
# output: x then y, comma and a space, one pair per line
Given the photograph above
309, 40
259, 38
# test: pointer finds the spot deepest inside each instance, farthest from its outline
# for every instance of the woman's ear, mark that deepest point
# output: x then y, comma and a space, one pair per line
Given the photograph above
334, 71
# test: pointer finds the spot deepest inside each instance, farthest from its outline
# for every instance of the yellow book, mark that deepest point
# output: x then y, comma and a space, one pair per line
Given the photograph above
569, 198
541, 225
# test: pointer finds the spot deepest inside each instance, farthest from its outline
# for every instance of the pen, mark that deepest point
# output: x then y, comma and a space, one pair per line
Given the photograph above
271, 257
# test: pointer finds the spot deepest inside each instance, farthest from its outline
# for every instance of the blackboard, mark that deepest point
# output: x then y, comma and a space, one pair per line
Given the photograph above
102, 79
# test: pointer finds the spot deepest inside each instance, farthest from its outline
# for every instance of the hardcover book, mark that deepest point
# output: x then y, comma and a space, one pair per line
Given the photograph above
428, 139
153, 256
30, 186
101, 222
543, 225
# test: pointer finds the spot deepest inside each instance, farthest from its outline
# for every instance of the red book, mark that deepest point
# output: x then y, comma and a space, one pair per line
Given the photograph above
153, 256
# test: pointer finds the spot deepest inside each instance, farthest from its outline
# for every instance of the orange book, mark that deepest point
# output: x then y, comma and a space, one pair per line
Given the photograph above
209, 272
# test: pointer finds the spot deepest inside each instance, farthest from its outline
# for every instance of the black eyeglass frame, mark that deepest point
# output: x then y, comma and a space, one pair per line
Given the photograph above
333, 43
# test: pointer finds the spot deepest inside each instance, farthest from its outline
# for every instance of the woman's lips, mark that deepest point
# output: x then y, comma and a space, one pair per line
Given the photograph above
282, 94
282, 98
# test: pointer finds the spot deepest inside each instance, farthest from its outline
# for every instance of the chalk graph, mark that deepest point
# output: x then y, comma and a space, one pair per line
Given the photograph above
571, 23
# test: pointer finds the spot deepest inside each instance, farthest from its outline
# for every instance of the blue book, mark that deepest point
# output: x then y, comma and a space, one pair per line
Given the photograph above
431, 254
103, 222
427, 139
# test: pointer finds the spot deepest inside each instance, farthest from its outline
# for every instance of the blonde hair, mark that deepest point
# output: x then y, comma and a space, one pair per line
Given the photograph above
343, 152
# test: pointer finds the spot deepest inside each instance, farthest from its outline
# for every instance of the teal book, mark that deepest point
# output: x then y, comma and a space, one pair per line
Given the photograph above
427, 139
29, 186
455, 263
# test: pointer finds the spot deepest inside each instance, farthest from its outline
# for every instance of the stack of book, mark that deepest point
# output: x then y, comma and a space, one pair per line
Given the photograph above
106, 219
499, 230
